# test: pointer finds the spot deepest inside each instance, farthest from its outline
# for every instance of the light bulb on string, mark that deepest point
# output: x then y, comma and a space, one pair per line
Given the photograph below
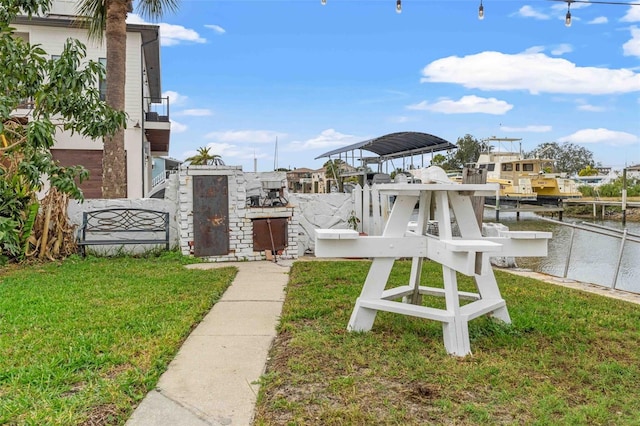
567, 19
481, 11
323, 2
399, 6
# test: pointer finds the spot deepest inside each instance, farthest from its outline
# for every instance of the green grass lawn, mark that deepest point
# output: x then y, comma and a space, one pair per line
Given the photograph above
569, 357
82, 341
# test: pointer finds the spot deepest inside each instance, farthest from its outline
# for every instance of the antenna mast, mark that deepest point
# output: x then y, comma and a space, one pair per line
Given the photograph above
275, 157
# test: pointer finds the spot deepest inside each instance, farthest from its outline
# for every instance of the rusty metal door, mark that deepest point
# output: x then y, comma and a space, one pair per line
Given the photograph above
270, 234
210, 215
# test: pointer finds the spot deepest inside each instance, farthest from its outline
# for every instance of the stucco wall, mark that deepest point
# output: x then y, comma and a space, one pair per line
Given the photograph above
313, 211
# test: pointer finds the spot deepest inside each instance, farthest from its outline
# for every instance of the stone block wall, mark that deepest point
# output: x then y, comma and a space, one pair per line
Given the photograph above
240, 216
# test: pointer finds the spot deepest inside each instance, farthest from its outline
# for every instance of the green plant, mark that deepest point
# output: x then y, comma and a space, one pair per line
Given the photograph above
353, 220
65, 97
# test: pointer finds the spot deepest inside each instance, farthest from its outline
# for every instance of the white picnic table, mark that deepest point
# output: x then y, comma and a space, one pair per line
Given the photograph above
467, 253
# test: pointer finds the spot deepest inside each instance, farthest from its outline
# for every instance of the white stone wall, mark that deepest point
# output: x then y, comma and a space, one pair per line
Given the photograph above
313, 211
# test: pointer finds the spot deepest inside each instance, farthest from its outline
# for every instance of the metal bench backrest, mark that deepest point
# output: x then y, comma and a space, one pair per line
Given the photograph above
125, 220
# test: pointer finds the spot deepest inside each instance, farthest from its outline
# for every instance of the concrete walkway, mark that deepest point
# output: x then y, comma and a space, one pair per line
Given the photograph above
212, 380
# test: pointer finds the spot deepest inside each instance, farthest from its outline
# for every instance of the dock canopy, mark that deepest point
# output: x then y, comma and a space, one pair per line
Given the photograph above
396, 145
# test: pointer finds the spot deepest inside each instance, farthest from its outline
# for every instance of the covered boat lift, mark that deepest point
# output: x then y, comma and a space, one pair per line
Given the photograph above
389, 147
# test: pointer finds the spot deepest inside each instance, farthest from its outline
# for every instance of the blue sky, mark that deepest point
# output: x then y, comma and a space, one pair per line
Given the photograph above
241, 74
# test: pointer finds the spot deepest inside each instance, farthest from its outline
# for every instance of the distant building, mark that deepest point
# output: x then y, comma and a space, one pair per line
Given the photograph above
633, 171
300, 180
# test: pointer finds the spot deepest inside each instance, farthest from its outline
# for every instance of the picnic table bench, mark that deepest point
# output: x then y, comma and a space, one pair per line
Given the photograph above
120, 226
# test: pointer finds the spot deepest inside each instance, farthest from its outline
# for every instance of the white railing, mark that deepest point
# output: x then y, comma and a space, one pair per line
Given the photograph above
161, 178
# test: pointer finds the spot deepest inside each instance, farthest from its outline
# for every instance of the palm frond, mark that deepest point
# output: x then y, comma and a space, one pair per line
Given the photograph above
156, 9
92, 14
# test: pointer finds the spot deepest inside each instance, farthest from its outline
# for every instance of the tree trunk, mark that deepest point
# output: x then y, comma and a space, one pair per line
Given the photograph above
114, 166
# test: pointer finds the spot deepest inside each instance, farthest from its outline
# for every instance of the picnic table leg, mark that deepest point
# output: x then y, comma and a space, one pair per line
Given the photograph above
362, 318
416, 263
486, 283
488, 289
455, 332
414, 281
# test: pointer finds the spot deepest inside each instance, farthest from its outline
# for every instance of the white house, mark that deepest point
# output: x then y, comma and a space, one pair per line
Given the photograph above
148, 126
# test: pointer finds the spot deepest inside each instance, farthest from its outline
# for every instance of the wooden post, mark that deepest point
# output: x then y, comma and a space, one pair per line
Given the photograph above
470, 175
624, 196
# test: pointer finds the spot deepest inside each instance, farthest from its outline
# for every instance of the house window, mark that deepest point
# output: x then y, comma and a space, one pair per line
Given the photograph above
103, 81
527, 167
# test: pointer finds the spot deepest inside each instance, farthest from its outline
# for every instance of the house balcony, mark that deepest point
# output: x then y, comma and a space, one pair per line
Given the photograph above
157, 126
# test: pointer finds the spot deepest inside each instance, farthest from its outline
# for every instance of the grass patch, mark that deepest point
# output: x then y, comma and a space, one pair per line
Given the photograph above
82, 341
568, 358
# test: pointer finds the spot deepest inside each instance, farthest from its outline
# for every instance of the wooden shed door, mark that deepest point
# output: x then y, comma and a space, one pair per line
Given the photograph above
210, 215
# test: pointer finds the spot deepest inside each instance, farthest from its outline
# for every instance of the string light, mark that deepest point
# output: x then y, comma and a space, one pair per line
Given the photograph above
481, 11
399, 6
323, 2
567, 19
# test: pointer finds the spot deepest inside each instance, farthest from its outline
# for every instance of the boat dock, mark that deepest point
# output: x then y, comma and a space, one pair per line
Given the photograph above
599, 207
603, 204
519, 207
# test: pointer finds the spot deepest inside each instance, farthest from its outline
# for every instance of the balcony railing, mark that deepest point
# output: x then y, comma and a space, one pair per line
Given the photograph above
162, 178
156, 109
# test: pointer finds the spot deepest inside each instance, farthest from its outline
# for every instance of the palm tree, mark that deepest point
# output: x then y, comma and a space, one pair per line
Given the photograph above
205, 158
108, 18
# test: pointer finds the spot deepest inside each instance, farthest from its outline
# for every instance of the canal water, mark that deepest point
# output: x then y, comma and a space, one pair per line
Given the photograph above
594, 257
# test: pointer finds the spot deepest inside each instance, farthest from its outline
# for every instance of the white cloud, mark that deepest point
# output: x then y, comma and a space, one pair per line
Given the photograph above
170, 35
465, 105
601, 135
326, 139
245, 136
562, 7
561, 49
400, 119
530, 128
590, 108
195, 112
534, 49
529, 12
177, 127
599, 20
175, 98
632, 15
216, 28
632, 47
535, 73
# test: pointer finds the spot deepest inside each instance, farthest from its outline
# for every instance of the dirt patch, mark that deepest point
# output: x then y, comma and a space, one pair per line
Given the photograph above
102, 415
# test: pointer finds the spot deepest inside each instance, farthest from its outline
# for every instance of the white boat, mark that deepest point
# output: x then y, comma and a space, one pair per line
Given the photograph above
527, 179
